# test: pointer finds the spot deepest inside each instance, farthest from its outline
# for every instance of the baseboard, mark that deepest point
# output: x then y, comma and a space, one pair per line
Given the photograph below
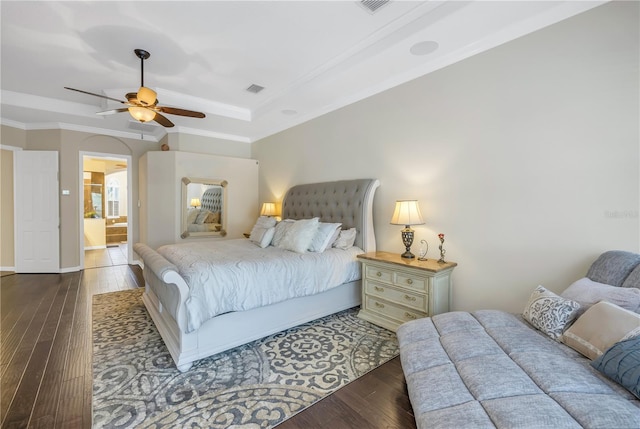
69, 269
7, 268
104, 246
138, 263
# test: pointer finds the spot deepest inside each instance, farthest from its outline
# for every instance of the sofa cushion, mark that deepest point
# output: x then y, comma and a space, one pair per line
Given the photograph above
586, 292
633, 279
537, 382
613, 267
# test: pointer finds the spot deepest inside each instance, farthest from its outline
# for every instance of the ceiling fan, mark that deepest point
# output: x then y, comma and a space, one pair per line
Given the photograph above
143, 105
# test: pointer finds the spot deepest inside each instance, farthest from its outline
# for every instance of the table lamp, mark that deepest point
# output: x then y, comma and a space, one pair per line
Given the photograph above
407, 213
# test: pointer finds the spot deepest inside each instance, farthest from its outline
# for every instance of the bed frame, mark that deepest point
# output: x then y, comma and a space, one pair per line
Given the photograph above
349, 202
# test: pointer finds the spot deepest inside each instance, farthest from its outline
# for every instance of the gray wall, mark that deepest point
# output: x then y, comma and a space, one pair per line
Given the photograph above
525, 156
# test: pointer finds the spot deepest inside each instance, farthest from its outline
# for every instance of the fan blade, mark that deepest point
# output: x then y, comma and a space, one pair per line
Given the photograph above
163, 120
95, 95
181, 112
111, 112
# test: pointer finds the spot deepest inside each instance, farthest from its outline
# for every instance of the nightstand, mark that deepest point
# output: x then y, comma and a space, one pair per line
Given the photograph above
396, 290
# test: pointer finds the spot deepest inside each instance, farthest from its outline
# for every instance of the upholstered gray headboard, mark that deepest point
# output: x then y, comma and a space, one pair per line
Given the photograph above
212, 200
347, 201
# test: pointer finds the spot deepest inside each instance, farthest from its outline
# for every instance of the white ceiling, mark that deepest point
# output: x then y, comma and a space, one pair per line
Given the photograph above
312, 57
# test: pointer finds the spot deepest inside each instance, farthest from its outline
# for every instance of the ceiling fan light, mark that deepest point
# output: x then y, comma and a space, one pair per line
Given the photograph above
142, 114
147, 96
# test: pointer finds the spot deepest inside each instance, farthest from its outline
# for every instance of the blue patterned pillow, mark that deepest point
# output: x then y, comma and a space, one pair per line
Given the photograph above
621, 363
549, 312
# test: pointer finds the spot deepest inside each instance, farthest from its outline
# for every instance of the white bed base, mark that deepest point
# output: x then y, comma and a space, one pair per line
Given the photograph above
230, 330
233, 329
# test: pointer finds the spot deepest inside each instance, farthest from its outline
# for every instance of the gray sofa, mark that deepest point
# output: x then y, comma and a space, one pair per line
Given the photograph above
490, 369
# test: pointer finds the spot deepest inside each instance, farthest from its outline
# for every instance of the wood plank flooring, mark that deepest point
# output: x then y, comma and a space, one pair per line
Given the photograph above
46, 359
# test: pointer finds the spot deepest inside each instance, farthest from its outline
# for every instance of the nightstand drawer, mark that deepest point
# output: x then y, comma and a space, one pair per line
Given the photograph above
379, 274
413, 282
410, 299
393, 311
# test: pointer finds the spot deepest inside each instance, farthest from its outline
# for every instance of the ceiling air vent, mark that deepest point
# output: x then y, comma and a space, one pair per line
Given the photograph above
255, 88
373, 5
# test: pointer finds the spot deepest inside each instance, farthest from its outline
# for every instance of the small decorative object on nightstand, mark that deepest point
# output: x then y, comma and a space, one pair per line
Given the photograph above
442, 251
396, 290
407, 213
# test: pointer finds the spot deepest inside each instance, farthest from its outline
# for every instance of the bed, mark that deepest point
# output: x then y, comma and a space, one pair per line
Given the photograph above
167, 291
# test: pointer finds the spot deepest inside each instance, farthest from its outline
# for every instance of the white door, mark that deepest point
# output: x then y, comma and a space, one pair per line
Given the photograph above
37, 217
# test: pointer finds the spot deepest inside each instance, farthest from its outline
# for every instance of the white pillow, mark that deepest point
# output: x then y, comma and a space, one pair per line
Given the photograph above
266, 221
299, 235
262, 236
549, 312
346, 239
193, 214
322, 239
202, 216
281, 229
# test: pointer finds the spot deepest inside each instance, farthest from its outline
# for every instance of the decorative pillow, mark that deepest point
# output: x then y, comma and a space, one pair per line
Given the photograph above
281, 229
346, 239
621, 363
299, 235
193, 214
213, 218
263, 231
587, 292
262, 236
549, 312
601, 326
322, 238
202, 216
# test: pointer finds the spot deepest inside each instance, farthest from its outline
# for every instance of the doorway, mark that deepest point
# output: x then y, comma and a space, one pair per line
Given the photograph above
105, 204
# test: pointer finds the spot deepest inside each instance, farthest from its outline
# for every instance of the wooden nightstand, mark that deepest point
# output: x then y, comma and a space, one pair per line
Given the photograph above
397, 290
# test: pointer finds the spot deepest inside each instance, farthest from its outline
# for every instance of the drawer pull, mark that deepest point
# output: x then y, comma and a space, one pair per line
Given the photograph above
378, 288
409, 281
379, 274
410, 316
379, 305
409, 298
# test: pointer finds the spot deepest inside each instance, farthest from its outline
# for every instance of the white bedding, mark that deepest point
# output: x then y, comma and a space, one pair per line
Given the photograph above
236, 275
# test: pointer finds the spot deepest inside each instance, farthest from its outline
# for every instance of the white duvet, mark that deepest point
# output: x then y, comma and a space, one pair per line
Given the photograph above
235, 275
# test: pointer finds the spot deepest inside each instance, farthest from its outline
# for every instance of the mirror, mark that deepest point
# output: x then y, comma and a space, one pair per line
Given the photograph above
204, 203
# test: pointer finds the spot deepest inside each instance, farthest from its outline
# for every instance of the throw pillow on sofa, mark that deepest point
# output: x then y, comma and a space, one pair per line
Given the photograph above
549, 312
621, 363
601, 326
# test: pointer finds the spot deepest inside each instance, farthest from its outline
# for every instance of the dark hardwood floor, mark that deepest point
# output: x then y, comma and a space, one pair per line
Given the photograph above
46, 359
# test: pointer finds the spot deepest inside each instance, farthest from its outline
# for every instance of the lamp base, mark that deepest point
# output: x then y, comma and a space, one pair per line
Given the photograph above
407, 240
408, 255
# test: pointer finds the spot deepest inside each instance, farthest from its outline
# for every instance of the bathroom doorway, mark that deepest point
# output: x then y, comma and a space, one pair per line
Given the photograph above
105, 202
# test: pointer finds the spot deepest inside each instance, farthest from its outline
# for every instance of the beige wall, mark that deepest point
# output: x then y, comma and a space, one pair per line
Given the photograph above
213, 146
525, 156
69, 144
6, 210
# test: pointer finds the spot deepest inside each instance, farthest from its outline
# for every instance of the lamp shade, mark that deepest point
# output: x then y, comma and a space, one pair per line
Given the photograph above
195, 202
142, 114
407, 212
268, 209
146, 96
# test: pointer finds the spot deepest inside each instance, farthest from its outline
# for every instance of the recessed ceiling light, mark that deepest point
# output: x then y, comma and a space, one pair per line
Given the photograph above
289, 112
424, 48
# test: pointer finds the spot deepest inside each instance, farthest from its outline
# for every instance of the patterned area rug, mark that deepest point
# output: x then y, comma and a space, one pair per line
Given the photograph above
258, 385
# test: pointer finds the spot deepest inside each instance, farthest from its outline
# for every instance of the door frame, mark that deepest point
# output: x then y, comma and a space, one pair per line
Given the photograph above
128, 159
